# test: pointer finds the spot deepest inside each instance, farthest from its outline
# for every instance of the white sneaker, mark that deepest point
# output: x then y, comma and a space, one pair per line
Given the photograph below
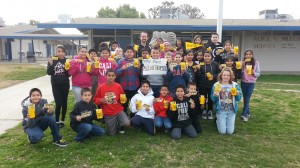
210, 115
204, 113
244, 118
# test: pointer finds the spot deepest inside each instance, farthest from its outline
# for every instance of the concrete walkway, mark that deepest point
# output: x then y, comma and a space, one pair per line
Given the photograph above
11, 97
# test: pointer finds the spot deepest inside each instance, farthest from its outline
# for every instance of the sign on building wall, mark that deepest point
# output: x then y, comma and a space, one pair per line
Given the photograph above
154, 67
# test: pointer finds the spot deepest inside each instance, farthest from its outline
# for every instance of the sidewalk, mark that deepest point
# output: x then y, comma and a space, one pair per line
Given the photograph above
10, 100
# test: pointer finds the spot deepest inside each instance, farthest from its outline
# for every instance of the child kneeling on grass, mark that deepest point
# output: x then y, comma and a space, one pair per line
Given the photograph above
108, 96
37, 117
181, 115
142, 105
82, 117
161, 105
226, 94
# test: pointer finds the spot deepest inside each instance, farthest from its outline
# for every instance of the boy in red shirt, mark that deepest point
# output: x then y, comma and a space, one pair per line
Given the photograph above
161, 105
108, 96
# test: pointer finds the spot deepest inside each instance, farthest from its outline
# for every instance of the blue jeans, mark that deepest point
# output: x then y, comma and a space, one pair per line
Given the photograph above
225, 122
162, 121
36, 133
148, 123
247, 89
189, 131
84, 129
156, 89
76, 91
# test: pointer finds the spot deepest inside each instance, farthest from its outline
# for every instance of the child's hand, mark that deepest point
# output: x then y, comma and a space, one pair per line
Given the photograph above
220, 67
50, 110
154, 100
78, 118
202, 106
187, 95
124, 67
192, 105
50, 61
216, 94
102, 101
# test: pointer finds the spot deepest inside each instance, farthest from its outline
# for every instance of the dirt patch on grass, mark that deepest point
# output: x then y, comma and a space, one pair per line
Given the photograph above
8, 83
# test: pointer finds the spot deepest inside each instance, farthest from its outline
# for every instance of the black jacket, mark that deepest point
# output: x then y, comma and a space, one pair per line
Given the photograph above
182, 116
213, 68
59, 75
83, 108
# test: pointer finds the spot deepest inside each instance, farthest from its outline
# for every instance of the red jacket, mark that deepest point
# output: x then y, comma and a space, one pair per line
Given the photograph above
159, 106
112, 94
80, 77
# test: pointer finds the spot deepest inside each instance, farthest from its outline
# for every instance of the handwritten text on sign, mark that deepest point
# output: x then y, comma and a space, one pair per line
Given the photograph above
154, 67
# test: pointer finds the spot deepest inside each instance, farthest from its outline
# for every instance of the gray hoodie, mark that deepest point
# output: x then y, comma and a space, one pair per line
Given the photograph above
39, 113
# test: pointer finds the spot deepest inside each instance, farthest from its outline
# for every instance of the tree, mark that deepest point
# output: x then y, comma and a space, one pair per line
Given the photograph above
192, 12
123, 11
142, 15
107, 13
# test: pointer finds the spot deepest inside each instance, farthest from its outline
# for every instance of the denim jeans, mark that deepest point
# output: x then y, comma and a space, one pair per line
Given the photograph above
247, 89
225, 122
85, 129
189, 131
148, 123
162, 121
36, 133
76, 91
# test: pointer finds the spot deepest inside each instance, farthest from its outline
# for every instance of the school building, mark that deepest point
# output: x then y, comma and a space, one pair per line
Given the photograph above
276, 45
27, 42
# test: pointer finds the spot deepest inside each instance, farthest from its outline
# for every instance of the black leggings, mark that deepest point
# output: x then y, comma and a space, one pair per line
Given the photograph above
206, 92
60, 94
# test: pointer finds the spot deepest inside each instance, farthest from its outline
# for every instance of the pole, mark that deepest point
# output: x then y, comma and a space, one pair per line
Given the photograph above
219, 20
20, 50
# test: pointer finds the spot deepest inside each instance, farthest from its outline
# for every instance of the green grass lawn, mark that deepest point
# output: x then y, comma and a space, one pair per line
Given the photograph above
269, 139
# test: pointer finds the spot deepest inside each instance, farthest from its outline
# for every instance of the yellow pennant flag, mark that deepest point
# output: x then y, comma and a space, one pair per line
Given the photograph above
189, 45
136, 47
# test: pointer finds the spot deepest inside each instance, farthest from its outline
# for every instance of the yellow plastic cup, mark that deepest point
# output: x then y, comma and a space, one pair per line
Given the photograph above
217, 88
233, 91
236, 50
123, 98
88, 66
173, 105
202, 99
138, 104
166, 104
31, 111
249, 69
136, 63
238, 65
99, 113
182, 66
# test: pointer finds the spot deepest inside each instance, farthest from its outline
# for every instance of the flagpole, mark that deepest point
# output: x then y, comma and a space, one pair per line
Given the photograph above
219, 20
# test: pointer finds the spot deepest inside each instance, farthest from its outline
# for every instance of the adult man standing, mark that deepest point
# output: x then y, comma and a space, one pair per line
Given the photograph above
144, 44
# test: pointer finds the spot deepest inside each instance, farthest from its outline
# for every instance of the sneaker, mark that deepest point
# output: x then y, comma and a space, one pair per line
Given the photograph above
61, 124
210, 115
122, 131
204, 113
244, 118
60, 143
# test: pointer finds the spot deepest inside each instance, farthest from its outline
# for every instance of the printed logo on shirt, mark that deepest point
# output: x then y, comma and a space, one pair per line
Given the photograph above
110, 97
182, 109
59, 68
104, 67
226, 99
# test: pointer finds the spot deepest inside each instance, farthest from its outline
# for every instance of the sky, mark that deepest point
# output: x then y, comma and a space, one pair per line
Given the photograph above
16, 11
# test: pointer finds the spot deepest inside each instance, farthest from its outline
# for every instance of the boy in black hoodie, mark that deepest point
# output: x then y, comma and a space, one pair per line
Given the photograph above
82, 116
194, 97
181, 116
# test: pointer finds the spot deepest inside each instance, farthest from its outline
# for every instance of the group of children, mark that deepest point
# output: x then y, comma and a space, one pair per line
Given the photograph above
105, 88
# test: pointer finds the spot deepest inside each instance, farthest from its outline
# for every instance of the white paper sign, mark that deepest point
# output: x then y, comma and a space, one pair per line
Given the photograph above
154, 67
